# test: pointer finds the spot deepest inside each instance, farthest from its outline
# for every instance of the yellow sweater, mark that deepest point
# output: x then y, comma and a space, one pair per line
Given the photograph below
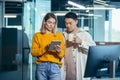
39, 43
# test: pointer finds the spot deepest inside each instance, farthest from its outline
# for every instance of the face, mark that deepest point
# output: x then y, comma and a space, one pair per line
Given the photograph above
50, 24
70, 24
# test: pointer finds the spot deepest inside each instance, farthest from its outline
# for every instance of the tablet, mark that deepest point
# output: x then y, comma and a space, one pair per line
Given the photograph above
53, 43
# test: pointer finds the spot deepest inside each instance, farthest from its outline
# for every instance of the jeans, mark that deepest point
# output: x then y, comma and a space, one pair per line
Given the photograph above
48, 71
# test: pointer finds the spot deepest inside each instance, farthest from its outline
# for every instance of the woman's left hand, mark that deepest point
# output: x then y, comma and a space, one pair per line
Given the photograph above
57, 48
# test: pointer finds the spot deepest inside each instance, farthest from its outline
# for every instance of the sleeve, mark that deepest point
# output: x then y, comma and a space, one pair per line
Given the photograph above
62, 52
86, 42
36, 49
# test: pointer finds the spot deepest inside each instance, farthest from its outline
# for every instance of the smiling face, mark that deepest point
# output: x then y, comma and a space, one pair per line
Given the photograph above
50, 24
70, 24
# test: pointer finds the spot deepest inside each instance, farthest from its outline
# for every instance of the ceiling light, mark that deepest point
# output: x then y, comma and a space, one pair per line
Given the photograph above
10, 15
76, 5
90, 8
60, 13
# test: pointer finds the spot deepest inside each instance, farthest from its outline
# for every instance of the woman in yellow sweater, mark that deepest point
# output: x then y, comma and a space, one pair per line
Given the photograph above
48, 62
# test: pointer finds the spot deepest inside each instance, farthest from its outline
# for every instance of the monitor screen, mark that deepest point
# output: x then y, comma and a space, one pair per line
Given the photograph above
99, 58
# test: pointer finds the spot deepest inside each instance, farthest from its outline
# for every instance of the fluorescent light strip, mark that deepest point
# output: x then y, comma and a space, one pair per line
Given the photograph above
10, 16
90, 8
89, 15
100, 1
60, 14
57, 13
76, 5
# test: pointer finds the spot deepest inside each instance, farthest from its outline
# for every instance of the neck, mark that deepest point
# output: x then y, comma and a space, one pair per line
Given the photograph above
76, 29
48, 32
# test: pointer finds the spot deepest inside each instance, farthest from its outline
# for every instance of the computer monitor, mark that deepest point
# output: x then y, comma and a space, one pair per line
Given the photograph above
99, 58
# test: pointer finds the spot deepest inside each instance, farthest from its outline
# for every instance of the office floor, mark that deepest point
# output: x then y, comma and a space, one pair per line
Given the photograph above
22, 73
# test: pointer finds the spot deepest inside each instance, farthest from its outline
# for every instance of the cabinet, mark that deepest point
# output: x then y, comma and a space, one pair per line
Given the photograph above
9, 49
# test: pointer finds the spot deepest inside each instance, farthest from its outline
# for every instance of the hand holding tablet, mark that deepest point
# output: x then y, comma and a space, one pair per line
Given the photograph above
53, 44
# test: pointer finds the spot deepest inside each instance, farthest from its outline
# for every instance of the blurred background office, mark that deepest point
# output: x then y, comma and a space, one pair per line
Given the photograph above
20, 19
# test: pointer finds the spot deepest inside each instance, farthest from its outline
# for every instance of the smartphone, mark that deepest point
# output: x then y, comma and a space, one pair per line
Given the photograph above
53, 43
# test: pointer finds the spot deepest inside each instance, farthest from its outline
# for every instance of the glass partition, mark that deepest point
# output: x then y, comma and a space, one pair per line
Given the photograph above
106, 26
1, 24
32, 20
